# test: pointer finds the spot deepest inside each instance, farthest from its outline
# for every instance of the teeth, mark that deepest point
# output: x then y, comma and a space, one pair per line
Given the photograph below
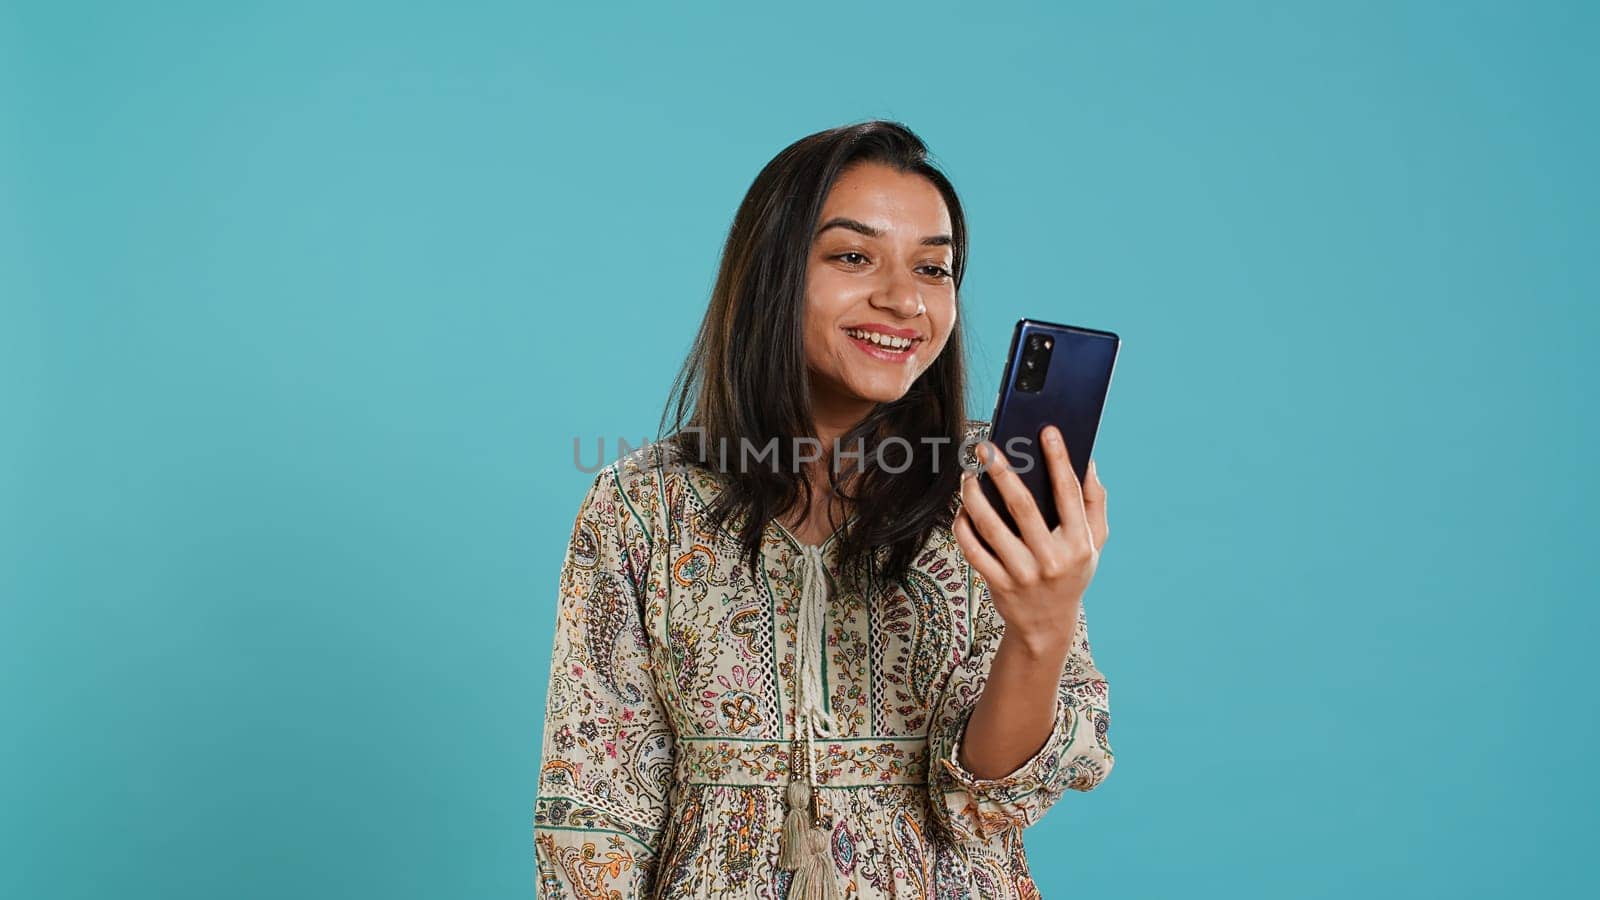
882, 340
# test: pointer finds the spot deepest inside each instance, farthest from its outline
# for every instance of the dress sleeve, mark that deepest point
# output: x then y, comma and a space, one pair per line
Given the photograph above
1077, 754
609, 747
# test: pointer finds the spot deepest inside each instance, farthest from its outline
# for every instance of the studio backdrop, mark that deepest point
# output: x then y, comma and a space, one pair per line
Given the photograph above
303, 306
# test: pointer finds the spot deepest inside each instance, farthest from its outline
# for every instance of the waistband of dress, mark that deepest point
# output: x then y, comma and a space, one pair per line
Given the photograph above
840, 762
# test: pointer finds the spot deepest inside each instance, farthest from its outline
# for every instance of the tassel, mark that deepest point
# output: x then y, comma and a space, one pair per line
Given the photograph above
805, 849
815, 879
794, 825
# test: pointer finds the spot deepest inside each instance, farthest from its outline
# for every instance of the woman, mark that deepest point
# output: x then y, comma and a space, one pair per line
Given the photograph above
785, 664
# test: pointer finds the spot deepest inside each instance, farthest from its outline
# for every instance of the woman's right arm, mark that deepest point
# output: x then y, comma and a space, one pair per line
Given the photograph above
604, 779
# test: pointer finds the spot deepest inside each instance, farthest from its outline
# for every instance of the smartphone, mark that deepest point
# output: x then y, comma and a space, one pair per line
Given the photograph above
1055, 375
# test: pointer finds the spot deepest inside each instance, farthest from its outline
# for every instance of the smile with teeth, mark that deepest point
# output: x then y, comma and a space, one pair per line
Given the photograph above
893, 344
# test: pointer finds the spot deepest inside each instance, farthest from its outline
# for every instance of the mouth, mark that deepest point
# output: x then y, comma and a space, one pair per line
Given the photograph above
888, 347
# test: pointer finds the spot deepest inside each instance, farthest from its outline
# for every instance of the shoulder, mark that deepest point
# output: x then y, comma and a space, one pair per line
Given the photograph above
623, 481
976, 431
640, 467
649, 482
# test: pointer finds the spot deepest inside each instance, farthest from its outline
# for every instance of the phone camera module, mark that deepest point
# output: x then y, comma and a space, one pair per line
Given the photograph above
1034, 363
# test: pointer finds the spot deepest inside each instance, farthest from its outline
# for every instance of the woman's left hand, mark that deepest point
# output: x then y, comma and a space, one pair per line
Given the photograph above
1037, 580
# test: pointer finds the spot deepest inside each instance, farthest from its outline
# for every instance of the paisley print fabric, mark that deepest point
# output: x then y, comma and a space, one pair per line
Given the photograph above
670, 719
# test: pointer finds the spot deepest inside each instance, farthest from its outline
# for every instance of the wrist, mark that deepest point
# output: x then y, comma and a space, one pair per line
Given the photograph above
1037, 648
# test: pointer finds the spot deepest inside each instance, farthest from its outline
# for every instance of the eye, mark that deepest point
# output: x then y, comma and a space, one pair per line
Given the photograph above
858, 257
939, 272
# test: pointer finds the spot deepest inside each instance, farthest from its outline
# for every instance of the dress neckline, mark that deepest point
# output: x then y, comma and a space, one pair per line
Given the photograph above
802, 545
701, 482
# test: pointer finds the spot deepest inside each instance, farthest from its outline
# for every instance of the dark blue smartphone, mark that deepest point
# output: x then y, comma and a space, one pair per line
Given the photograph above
1055, 375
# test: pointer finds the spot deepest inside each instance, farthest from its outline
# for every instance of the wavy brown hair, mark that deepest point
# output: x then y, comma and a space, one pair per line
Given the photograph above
745, 379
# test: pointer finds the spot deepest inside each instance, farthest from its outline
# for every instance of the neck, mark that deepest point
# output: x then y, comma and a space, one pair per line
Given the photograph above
833, 417
832, 421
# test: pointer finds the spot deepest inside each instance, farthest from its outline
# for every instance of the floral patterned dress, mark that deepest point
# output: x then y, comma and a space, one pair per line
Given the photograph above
671, 725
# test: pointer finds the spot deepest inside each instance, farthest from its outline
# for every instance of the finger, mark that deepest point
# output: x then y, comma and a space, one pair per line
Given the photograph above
1094, 507
1019, 500
1069, 494
1005, 544
978, 556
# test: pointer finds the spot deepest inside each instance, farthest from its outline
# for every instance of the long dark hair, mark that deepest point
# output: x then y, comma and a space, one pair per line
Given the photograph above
747, 378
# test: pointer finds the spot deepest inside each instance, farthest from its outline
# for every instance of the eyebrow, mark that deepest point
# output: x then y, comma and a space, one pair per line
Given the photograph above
932, 240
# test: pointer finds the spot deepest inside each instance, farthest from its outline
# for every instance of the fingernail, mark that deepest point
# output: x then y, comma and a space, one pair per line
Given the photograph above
1053, 435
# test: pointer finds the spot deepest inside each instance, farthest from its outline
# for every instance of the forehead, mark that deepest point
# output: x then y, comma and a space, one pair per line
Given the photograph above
889, 200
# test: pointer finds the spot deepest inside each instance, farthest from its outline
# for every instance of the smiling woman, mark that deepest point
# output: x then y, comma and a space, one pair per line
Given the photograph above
880, 283
769, 636
848, 229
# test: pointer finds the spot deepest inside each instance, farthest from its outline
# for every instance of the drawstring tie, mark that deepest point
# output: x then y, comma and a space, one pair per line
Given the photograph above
805, 849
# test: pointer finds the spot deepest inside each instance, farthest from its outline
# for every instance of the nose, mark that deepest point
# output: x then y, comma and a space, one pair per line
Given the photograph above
899, 293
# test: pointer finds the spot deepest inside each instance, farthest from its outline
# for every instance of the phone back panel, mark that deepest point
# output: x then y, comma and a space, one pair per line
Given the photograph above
1072, 396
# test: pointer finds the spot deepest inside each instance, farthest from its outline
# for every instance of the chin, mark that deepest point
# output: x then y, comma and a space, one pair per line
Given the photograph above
878, 392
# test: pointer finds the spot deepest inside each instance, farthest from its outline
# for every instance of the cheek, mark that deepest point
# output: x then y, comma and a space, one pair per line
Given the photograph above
828, 290
828, 299
822, 317
944, 322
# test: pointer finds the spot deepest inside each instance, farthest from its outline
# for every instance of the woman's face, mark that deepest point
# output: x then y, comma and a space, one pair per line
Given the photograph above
880, 296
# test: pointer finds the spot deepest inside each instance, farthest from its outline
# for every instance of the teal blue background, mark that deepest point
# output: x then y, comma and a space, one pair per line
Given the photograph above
303, 305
